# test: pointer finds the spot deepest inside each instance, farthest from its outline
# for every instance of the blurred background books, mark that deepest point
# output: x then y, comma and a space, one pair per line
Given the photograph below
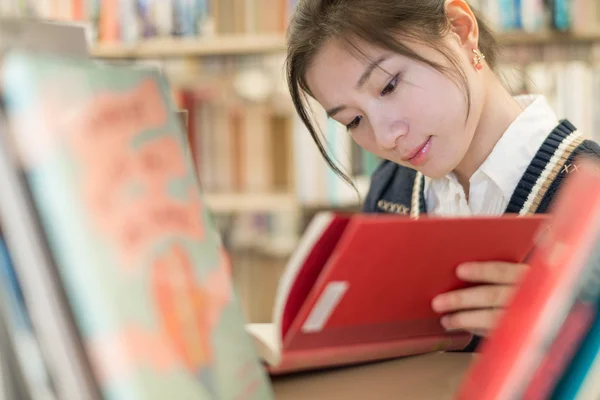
263, 177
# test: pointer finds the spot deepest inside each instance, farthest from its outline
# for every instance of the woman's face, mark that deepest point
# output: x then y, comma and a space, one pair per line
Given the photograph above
401, 109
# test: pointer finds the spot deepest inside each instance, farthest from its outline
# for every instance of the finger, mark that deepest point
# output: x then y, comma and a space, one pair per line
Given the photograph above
489, 296
480, 322
492, 272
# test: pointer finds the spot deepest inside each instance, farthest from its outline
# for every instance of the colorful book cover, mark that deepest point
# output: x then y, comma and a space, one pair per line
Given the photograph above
508, 15
143, 266
561, 14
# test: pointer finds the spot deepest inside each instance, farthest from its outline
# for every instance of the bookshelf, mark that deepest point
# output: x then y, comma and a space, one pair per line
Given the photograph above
248, 44
192, 47
251, 202
547, 38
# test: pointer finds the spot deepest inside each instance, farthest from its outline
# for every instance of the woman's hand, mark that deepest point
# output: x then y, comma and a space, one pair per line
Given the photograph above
477, 309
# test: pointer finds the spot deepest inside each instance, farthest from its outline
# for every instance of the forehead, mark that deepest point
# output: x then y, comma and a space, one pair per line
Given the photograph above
337, 67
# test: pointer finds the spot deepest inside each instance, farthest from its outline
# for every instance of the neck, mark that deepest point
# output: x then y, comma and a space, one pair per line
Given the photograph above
499, 111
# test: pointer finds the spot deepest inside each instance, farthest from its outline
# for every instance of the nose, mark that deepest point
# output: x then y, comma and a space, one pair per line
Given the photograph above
387, 132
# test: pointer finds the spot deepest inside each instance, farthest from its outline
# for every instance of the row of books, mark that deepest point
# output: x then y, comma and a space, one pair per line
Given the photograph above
577, 16
569, 77
240, 147
133, 20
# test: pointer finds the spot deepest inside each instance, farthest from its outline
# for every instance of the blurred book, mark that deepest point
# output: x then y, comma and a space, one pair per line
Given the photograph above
42, 36
121, 267
29, 360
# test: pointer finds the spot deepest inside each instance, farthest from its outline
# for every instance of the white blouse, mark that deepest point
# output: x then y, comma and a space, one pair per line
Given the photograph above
493, 184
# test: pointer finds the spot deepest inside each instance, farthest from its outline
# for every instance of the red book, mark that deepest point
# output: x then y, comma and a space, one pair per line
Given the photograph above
553, 306
359, 287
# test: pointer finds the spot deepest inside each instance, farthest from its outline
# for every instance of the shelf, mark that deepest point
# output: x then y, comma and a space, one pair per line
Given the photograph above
246, 202
190, 47
261, 44
546, 38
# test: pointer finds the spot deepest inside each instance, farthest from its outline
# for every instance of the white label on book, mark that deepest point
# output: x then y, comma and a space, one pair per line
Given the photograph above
321, 312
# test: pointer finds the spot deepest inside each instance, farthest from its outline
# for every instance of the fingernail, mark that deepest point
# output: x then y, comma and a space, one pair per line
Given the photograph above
445, 321
438, 303
463, 270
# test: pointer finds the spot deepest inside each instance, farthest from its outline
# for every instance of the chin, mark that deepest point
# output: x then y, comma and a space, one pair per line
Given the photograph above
434, 171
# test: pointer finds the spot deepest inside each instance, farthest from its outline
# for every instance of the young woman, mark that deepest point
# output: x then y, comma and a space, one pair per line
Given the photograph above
414, 82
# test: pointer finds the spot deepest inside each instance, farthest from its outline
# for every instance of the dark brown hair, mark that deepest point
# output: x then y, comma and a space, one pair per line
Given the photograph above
380, 22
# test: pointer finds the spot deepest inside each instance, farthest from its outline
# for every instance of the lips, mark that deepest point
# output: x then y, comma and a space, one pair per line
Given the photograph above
413, 153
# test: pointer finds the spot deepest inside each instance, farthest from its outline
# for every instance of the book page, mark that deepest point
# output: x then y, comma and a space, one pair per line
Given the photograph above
266, 342
309, 238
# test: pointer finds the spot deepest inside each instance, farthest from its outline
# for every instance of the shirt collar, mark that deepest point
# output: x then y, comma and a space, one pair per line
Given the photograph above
519, 144
513, 153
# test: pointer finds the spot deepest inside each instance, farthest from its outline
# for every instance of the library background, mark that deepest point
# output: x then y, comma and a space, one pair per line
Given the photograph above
262, 174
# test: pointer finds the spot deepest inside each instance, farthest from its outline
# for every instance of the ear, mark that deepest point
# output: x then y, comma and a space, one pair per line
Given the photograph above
463, 23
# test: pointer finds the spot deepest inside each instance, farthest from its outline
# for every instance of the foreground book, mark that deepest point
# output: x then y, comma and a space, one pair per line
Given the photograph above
359, 287
553, 308
29, 362
121, 267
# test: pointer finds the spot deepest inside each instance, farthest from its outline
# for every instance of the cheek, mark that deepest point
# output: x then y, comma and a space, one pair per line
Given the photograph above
364, 138
441, 106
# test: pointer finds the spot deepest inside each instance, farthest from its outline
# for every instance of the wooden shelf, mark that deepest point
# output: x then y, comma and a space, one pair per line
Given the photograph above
546, 38
261, 44
247, 202
190, 47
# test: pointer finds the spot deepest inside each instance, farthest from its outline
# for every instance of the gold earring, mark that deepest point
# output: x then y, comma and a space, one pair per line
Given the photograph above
477, 59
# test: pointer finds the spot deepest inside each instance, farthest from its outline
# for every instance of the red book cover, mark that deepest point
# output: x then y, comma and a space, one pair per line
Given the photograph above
359, 288
544, 317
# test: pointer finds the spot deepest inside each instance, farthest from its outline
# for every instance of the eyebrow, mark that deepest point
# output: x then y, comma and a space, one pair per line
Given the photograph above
363, 79
331, 113
367, 74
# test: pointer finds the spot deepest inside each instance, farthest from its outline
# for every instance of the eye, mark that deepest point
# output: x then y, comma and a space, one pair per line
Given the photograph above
354, 124
390, 87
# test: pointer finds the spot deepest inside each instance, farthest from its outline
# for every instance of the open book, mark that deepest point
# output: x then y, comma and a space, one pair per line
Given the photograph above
359, 287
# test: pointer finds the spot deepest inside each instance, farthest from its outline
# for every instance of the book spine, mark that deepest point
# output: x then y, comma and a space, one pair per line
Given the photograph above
129, 26
508, 18
29, 358
561, 15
